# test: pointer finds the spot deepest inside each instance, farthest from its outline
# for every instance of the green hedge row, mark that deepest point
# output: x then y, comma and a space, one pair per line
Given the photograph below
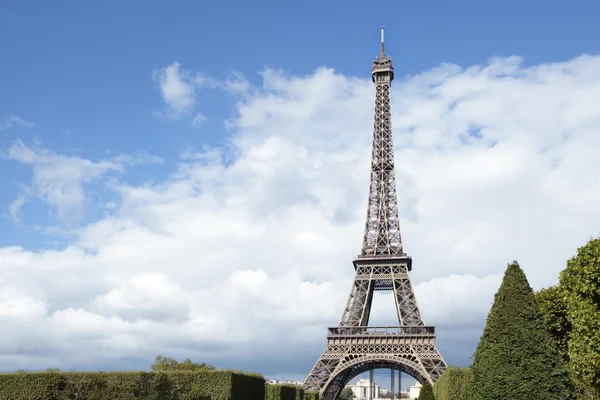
311, 395
454, 381
180, 385
299, 393
286, 392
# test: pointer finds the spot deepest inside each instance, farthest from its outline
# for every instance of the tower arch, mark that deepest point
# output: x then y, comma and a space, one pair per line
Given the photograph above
354, 366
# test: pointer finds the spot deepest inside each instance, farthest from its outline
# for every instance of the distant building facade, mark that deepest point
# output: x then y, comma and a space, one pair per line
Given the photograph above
361, 390
414, 390
278, 382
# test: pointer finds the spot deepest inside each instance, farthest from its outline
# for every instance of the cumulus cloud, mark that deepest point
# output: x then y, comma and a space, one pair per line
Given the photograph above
59, 180
241, 258
14, 121
176, 88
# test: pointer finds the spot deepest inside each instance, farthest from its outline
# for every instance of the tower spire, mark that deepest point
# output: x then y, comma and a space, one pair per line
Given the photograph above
382, 230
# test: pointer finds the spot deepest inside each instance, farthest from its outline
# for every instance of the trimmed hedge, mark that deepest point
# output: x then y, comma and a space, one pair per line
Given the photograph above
284, 392
311, 395
299, 393
447, 386
179, 385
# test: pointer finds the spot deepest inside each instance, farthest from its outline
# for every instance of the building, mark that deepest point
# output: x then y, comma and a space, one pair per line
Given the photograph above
414, 390
278, 382
361, 390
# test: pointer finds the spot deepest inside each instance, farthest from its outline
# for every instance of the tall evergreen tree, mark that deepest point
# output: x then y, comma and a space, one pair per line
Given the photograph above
517, 357
426, 392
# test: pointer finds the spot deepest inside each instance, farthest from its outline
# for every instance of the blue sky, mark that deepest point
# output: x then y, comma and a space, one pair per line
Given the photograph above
80, 84
82, 72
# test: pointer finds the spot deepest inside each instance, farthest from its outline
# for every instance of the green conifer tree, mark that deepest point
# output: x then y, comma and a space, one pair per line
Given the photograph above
517, 357
426, 392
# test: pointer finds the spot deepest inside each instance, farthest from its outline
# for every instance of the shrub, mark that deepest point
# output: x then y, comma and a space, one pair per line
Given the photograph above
453, 384
180, 385
281, 392
311, 395
299, 393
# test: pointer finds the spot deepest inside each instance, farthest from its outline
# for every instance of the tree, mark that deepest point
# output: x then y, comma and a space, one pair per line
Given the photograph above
554, 311
517, 357
426, 392
170, 364
584, 347
346, 394
580, 286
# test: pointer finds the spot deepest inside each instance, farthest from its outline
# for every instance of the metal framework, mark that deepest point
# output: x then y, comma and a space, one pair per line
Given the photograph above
353, 347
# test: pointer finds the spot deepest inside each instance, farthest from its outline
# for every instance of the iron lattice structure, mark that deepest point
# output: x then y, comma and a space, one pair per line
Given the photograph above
353, 347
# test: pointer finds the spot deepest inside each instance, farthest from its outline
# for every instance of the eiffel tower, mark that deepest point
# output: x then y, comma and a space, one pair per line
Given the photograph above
354, 347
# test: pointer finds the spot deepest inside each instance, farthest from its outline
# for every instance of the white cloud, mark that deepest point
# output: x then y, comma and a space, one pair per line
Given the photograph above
14, 121
142, 157
198, 119
176, 88
59, 180
245, 253
179, 87
149, 296
236, 84
15, 207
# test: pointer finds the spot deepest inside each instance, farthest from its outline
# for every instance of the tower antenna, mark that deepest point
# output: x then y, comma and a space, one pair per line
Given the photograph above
382, 46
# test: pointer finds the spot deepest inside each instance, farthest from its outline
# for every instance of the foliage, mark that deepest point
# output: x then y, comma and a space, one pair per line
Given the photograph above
177, 385
346, 394
554, 312
311, 395
25, 386
426, 392
246, 386
454, 384
245, 373
517, 357
580, 286
281, 392
170, 364
584, 346
581, 278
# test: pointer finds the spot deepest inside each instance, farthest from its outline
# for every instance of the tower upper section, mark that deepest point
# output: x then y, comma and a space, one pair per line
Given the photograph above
382, 71
382, 229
